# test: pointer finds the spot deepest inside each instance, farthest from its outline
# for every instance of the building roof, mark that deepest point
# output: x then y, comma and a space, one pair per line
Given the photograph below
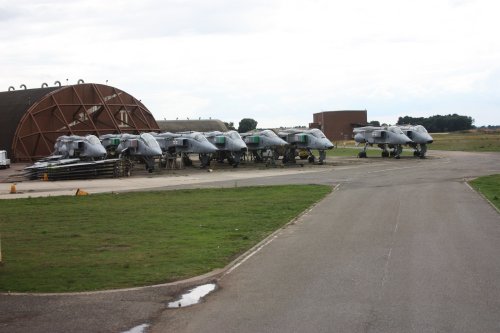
13, 106
31, 120
205, 125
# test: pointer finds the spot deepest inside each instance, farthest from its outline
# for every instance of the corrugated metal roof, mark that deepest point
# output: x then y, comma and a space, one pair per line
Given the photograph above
13, 106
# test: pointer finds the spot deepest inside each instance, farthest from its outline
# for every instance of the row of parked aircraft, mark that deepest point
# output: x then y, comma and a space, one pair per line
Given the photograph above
393, 137
231, 146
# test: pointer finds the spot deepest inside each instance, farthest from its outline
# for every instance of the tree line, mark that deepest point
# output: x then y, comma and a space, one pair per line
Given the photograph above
438, 123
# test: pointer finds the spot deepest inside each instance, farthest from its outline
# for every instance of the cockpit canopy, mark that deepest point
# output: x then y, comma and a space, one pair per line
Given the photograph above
395, 130
420, 128
234, 135
317, 133
149, 140
268, 133
93, 140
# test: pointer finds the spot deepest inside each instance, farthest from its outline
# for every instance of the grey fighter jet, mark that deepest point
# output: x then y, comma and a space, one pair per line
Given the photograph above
184, 143
263, 145
141, 147
305, 140
420, 137
384, 137
84, 147
74, 157
230, 146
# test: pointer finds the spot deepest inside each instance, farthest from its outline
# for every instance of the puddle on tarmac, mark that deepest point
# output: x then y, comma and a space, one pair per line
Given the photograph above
138, 329
193, 296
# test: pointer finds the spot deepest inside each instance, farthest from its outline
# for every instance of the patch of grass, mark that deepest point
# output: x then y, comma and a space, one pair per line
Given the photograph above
467, 141
489, 186
106, 241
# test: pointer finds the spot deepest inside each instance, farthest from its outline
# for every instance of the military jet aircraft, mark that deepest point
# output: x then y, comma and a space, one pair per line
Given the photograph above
84, 147
74, 157
384, 137
420, 137
263, 145
184, 143
230, 146
305, 140
142, 147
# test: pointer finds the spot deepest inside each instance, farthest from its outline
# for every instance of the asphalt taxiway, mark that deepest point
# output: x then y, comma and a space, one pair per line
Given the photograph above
399, 246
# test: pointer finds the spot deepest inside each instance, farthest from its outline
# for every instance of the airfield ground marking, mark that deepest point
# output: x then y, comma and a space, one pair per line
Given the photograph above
388, 259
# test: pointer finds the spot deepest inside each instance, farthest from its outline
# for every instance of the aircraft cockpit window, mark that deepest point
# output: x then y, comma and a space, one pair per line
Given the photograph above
234, 135
149, 139
317, 133
199, 138
396, 130
420, 128
93, 140
268, 133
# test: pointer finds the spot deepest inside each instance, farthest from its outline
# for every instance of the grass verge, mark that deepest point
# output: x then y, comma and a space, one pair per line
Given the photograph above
467, 141
107, 241
489, 186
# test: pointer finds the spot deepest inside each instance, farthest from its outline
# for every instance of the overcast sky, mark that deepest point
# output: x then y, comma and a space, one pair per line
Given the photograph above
276, 61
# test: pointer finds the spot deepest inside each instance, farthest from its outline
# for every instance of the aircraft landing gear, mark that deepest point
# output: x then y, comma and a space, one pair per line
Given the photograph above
397, 151
362, 154
204, 160
322, 156
423, 150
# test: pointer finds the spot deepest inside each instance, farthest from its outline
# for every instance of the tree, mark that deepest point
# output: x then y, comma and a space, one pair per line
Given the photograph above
230, 126
438, 123
246, 125
374, 123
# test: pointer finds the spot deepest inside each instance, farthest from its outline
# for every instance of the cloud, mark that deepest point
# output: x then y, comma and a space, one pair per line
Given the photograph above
275, 61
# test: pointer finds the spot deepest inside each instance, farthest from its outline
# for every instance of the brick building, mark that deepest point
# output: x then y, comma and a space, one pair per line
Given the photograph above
338, 125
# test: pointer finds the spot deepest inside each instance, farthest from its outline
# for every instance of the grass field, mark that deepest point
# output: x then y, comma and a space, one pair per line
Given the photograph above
467, 141
107, 241
489, 186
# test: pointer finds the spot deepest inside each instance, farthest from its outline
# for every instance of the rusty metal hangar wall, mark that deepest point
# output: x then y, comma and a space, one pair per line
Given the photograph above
338, 125
32, 119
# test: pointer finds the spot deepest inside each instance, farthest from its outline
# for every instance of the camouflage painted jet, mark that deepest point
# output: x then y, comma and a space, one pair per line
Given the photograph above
420, 137
384, 137
305, 140
230, 146
184, 143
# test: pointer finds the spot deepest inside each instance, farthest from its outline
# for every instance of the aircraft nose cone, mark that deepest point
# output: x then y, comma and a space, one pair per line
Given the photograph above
430, 141
210, 148
157, 151
326, 144
278, 142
